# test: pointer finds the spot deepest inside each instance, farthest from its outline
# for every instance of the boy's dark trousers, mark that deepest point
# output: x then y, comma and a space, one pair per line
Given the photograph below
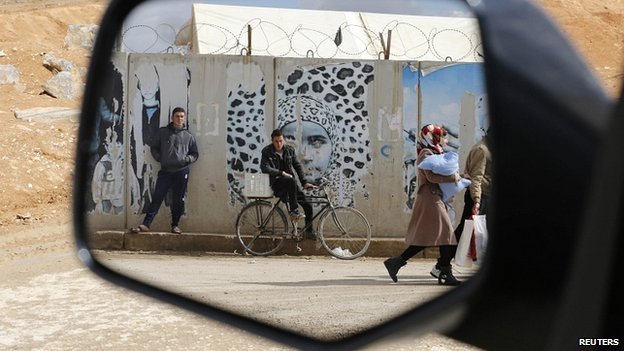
177, 182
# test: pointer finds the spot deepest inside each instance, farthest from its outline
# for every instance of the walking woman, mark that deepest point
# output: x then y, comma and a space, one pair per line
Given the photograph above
430, 224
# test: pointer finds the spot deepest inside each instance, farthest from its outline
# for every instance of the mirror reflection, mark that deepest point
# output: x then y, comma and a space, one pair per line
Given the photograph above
269, 160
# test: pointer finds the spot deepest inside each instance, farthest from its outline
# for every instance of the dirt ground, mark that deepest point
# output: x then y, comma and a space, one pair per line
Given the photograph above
36, 164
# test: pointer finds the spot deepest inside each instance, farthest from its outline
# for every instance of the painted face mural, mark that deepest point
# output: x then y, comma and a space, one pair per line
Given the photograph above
315, 145
310, 127
322, 111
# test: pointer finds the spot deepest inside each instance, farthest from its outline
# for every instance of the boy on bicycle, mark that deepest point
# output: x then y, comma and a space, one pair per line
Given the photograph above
279, 160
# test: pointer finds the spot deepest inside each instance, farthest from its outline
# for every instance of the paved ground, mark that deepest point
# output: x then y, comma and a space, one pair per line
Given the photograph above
48, 301
318, 296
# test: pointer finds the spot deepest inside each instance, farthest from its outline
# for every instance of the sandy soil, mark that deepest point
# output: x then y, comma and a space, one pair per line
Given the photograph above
596, 28
37, 159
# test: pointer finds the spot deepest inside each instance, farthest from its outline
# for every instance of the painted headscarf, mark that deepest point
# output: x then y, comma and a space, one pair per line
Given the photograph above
430, 137
342, 91
312, 110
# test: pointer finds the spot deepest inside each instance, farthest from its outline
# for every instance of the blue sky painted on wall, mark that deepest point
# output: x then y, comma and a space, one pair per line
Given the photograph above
444, 87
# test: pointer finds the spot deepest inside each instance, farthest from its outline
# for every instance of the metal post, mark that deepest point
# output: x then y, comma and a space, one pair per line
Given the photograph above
383, 44
387, 51
248, 40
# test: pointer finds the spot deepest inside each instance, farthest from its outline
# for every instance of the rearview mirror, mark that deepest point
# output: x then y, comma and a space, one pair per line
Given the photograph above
350, 102
235, 94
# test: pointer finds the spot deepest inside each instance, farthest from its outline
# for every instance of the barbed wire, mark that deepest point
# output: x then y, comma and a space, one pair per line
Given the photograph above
409, 41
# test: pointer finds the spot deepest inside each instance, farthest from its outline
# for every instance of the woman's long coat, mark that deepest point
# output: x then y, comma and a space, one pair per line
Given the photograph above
430, 224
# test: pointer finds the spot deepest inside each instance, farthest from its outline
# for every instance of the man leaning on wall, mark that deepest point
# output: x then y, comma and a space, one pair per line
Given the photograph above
175, 148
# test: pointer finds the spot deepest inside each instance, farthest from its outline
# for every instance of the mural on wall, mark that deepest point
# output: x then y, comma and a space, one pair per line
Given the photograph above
246, 131
310, 126
482, 117
443, 89
449, 93
107, 177
157, 88
322, 112
410, 130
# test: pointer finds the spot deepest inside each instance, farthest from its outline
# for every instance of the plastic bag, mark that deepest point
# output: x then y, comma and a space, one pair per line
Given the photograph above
481, 236
463, 246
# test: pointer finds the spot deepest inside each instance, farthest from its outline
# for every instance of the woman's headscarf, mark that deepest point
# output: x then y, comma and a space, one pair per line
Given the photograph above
315, 111
430, 137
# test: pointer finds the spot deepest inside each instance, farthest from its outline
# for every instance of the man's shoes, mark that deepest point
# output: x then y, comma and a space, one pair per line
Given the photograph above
140, 228
295, 214
176, 230
435, 271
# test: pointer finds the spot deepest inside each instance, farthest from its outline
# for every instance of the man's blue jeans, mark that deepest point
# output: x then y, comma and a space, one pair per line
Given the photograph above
177, 182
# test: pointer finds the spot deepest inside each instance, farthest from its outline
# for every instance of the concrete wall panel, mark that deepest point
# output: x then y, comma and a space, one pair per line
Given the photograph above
352, 121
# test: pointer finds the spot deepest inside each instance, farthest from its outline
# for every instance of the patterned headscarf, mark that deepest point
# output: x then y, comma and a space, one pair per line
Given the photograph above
310, 109
315, 111
430, 137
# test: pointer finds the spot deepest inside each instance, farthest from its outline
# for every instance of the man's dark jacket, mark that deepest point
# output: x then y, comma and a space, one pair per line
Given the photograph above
175, 149
273, 165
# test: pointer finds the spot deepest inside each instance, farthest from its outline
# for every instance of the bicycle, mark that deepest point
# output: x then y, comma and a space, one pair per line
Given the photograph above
262, 227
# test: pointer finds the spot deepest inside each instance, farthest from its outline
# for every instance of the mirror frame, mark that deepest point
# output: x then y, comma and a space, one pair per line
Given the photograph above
537, 83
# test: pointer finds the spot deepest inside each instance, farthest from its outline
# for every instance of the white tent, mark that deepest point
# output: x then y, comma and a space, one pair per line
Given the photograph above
224, 30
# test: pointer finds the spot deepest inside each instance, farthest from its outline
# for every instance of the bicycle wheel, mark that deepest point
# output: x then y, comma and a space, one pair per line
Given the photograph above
261, 230
345, 233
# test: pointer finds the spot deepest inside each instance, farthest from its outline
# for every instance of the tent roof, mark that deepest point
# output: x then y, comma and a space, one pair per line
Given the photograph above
280, 32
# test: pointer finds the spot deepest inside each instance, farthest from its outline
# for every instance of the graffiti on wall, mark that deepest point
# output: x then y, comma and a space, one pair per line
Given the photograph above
246, 132
157, 88
410, 82
451, 95
322, 112
107, 177
445, 90
389, 123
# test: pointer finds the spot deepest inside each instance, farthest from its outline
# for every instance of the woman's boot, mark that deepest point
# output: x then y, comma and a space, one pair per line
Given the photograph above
446, 276
393, 264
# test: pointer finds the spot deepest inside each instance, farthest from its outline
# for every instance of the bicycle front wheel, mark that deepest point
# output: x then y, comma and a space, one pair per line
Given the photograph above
260, 228
345, 233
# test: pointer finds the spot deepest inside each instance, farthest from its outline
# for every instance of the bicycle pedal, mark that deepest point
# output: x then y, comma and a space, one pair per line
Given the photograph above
296, 216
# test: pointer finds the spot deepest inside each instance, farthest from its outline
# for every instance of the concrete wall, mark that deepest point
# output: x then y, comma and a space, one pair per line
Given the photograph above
368, 110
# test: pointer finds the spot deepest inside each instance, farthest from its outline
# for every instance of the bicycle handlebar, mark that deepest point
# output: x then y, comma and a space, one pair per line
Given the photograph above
324, 182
